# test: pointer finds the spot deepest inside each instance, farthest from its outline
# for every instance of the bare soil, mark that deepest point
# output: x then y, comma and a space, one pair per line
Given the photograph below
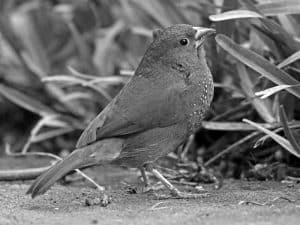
66, 204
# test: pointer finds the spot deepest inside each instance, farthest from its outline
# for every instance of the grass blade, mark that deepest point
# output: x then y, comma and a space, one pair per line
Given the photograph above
289, 60
288, 132
262, 107
284, 40
234, 14
25, 101
63, 80
274, 8
271, 91
78, 74
259, 64
51, 134
277, 138
232, 126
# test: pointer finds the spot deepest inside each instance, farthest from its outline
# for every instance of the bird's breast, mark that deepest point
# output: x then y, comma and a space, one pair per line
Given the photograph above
198, 99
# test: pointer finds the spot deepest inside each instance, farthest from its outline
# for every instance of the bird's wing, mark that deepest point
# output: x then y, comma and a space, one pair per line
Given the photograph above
140, 105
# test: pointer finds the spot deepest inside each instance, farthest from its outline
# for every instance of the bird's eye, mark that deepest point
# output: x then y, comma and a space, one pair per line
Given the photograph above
184, 41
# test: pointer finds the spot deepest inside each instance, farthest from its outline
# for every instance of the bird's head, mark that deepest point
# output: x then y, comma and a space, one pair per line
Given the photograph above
180, 43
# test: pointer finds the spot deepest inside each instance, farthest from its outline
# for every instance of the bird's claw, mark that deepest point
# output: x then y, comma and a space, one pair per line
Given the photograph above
146, 189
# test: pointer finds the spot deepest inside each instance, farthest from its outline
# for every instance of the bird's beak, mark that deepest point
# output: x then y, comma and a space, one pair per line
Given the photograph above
201, 34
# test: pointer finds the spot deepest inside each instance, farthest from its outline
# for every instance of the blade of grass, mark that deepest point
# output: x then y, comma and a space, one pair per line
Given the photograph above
260, 42
127, 73
274, 8
234, 14
282, 38
51, 121
138, 30
68, 80
277, 138
104, 46
271, 91
227, 28
78, 74
35, 55
288, 132
82, 46
262, 107
290, 24
25, 101
77, 95
289, 60
233, 126
63, 79
23, 25
231, 148
244, 106
53, 90
51, 134
292, 125
259, 64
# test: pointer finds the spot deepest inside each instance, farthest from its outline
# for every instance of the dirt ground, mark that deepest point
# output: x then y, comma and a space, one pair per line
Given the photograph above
67, 204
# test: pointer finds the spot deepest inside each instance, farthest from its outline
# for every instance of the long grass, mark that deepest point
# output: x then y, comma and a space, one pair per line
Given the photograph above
61, 62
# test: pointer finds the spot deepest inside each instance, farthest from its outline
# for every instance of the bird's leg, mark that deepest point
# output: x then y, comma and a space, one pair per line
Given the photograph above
146, 187
145, 177
175, 193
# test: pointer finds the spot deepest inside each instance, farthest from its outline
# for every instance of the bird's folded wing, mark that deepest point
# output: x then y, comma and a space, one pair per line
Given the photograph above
140, 105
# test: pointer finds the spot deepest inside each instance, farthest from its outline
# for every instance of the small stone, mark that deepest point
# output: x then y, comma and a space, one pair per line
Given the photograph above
88, 202
200, 188
104, 201
94, 221
131, 190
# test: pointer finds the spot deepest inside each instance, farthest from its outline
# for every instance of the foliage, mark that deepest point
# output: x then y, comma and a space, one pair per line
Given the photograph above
62, 61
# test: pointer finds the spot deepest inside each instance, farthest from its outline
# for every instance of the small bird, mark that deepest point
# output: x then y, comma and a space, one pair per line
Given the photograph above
154, 113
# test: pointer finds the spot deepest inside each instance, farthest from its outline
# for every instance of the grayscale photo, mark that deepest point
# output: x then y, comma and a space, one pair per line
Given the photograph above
150, 112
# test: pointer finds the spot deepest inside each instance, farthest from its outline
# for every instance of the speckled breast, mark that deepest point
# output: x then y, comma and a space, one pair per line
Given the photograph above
201, 95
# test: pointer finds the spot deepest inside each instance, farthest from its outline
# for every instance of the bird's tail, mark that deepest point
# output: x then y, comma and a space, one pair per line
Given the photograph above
97, 153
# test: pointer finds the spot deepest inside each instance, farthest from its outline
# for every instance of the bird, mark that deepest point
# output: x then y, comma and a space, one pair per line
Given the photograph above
153, 114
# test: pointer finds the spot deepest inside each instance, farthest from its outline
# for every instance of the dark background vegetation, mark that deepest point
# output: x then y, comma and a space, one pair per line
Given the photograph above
62, 61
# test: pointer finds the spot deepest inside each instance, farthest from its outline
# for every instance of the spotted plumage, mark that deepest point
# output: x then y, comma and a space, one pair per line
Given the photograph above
153, 114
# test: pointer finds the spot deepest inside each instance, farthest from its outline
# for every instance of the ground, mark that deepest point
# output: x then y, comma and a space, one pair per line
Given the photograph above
66, 204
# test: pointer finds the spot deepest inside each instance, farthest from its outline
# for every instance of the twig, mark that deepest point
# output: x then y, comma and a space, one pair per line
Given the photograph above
187, 183
231, 111
231, 147
187, 146
155, 206
294, 179
269, 202
33, 132
46, 120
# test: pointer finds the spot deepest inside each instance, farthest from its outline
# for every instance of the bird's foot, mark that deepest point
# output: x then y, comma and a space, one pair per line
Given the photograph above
176, 194
154, 187
144, 189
